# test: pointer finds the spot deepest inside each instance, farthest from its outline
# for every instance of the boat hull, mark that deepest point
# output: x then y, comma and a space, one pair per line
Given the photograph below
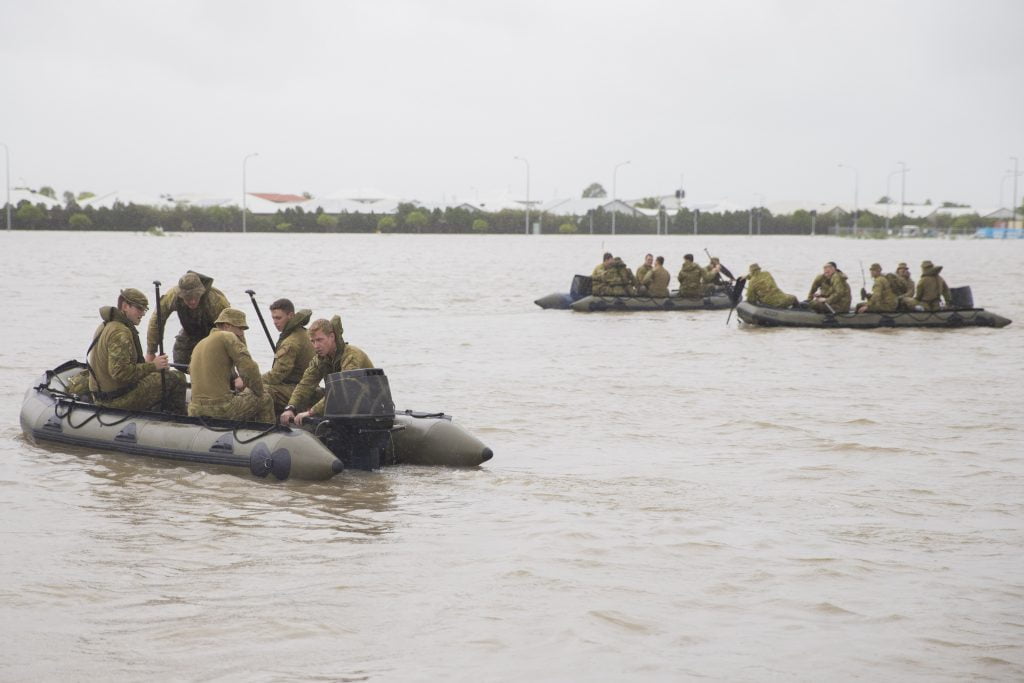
600, 304
766, 316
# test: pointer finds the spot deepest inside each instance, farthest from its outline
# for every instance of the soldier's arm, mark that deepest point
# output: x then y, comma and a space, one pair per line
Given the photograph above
303, 392
248, 370
166, 306
284, 362
123, 365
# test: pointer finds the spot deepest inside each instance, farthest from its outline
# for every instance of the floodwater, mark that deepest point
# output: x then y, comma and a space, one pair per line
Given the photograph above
670, 498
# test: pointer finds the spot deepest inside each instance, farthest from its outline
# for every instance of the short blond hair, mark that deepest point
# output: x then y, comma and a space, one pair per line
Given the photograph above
321, 325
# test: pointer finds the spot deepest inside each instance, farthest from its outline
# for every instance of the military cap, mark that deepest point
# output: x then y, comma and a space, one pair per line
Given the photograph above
925, 265
754, 268
902, 265
135, 297
190, 285
874, 267
232, 316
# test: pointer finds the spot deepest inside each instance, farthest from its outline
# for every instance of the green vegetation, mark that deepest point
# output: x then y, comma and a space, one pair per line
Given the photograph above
480, 225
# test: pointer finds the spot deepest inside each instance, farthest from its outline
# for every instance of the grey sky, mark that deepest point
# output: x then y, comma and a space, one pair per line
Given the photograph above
423, 99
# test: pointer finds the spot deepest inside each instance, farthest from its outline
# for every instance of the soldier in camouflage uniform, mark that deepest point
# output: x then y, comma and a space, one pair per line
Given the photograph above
293, 354
690, 278
641, 274
881, 299
657, 281
197, 303
712, 278
832, 295
762, 290
214, 360
119, 377
597, 276
618, 279
931, 287
333, 354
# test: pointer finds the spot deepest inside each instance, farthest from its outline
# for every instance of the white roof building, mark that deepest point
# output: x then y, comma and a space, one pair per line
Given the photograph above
23, 194
126, 197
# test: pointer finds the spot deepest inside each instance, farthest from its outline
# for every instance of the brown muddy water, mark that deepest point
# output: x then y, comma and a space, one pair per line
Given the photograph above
671, 498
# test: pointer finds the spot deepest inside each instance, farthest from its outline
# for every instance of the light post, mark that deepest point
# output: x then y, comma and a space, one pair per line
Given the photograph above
696, 217
856, 190
7, 176
1002, 187
527, 230
615, 191
888, 200
245, 160
760, 205
903, 185
1013, 221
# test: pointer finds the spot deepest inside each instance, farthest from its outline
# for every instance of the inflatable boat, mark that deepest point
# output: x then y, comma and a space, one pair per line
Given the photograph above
360, 430
767, 316
561, 300
597, 304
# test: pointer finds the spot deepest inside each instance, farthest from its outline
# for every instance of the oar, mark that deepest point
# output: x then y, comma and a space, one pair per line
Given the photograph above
723, 269
737, 292
160, 345
259, 314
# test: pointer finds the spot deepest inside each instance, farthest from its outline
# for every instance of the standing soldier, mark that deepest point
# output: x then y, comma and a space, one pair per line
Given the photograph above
762, 290
214, 360
658, 279
931, 287
293, 354
882, 299
641, 274
690, 278
333, 354
119, 377
197, 304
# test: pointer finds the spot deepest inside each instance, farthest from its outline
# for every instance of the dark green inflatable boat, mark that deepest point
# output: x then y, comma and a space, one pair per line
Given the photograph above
767, 316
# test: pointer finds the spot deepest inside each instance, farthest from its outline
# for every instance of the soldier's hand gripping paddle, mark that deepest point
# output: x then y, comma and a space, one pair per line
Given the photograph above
259, 314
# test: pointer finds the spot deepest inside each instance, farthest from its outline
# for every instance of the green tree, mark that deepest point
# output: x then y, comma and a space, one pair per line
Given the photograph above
48, 191
648, 203
594, 190
884, 199
568, 228
966, 222
952, 205
30, 215
327, 221
416, 220
283, 227
480, 225
82, 196
79, 221
69, 198
387, 224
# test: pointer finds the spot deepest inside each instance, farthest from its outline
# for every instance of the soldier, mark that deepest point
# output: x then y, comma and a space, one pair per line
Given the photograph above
197, 304
597, 276
762, 290
690, 277
882, 299
214, 360
931, 287
333, 354
712, 277
618, 279
832, 295
658, 279
641, 273
119, 377
294, 352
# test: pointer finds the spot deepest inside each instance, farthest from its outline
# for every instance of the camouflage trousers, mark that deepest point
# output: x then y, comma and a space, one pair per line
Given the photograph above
183, 345
146, 394
282, 395
822, 307
243, 406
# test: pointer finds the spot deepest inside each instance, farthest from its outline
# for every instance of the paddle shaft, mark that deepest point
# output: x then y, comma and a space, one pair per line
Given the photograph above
160, 345
259, 314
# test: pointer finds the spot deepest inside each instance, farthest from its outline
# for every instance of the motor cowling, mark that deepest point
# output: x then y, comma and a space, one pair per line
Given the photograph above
359, 414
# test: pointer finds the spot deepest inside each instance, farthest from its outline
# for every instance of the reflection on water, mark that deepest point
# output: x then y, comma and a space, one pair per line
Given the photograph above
670, 497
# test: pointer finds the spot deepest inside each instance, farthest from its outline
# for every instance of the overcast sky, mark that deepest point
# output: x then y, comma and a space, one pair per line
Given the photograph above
746, 100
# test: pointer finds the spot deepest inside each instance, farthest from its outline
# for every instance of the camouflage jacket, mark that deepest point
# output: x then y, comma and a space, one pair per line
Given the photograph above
882, 299
819, 279
345, 357
931, 287
116, 357
294, 351
618, 280
837, 292
641, 273
213, 360
597, 280
761, 289
657, 281
899, 285
195, 324
711, 277
690, 277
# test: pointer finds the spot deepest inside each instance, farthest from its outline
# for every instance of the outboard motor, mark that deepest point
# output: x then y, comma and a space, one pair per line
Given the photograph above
358, 416
961, 297
582, 285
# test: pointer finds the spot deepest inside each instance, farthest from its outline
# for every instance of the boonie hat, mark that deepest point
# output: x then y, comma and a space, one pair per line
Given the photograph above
903, 266
135, 297
874, 267
925, 265
232, 316
190, 285
754, 268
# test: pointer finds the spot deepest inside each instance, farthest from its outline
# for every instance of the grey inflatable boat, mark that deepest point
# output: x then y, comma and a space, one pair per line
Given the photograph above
767, 316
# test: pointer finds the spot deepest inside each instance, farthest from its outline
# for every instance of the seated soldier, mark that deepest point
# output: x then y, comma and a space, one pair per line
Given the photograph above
762, 290
931, 287
618, 279
333, 354
713, 280
293, 353
119, 377
690, 278
881, 299
214, 361
597, 276
657, 279
832, 295
641, 274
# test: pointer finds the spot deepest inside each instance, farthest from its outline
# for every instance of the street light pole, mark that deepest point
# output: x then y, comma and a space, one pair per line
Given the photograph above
888, 200
856, 190
527, 229
1013, 221
615, 193
244, 161
903, 185
7, 176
